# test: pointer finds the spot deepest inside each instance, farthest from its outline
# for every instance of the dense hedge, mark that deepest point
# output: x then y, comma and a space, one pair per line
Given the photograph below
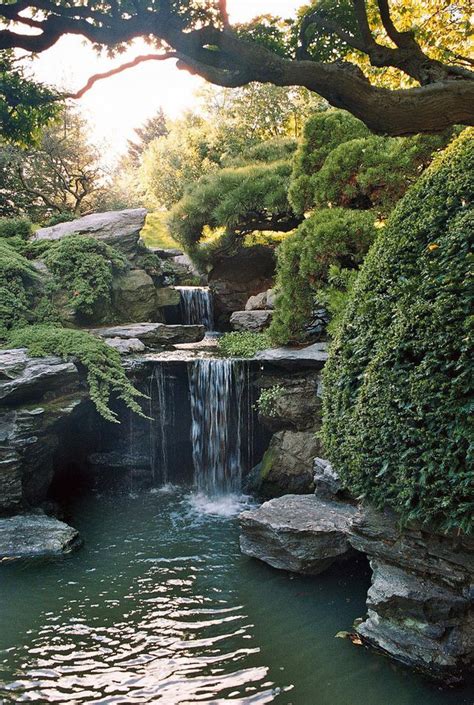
398, 382
331, 236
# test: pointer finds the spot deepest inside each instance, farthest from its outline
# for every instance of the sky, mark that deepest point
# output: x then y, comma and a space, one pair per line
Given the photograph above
115, 106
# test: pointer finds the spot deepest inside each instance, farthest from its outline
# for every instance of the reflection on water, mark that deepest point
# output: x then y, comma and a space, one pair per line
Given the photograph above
160, 607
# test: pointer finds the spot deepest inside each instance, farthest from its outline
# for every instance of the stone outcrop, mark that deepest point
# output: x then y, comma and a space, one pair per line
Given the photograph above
287, 464
36, 536
327, 484
234, 278
121, 229
310, 357
253, 321
420, 607
134, 298
303, 534
37, 395
152, 334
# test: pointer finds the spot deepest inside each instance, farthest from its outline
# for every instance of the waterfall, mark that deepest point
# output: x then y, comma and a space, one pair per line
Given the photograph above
196, 306
162, 419
217, 390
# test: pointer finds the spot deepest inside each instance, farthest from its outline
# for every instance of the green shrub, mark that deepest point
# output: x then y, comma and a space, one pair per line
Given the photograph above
334, 297
243, 344
398, 383
105, 374
84, 267
20, 228
17, 276
266, 402
331, 236
64, 217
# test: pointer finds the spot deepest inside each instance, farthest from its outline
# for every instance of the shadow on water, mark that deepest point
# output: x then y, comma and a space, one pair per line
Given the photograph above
160, 606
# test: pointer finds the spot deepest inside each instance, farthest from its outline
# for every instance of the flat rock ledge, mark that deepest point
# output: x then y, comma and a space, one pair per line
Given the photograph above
150, 335
420, 607
311, 357
36, 536
299, 533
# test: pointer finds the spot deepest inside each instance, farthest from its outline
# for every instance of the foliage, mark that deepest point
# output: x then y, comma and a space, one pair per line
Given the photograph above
335, 295
59, 175
60, 218
25, 105
398, 381
242, 199
151, 129
268, 398
331, 236
84, 267
17, 277
155, 232
15, 228
105, 374
243, 344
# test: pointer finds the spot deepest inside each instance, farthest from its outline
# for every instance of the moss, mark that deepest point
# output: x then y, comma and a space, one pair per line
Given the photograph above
398, 383
105, 374
243, 344
268, 461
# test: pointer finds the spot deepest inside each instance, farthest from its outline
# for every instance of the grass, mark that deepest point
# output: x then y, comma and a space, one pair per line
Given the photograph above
155, 232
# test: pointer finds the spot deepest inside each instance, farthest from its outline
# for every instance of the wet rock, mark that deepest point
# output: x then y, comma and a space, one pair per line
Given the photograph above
287, 465
23, 377
134, 297
36, 535
153, 334
254, 321
121, 229
327, 484
300, 534
311, 357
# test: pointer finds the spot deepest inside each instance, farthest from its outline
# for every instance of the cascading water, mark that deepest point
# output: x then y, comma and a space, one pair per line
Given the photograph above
196, 306
217, 431
162, 417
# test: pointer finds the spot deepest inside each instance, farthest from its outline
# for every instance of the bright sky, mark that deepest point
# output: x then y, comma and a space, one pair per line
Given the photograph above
115, 106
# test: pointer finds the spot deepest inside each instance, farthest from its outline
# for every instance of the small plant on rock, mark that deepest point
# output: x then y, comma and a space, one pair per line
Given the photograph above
267, 401
243, 344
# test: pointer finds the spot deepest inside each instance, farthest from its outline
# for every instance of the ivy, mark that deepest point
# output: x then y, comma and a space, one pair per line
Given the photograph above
398, 382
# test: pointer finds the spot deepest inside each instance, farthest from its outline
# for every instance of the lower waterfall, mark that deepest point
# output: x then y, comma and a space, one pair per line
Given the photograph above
196, 306
221, 428
162, 420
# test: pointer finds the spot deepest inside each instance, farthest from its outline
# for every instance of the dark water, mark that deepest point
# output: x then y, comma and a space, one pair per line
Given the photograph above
159, 606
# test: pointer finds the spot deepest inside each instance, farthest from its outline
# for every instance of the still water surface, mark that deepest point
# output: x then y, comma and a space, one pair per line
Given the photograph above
160, 607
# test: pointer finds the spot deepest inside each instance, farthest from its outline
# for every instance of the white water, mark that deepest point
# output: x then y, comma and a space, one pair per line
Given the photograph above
196, 306
217, 391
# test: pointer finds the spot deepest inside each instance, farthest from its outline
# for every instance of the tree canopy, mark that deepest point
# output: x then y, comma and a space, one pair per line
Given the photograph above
400, 68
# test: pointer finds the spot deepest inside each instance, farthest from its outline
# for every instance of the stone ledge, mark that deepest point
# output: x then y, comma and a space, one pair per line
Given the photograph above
36, 536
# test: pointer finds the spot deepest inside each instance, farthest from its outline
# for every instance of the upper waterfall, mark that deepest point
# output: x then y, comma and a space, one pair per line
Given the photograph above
196, 306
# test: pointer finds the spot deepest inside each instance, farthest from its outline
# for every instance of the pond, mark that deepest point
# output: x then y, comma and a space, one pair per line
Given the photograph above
160, 606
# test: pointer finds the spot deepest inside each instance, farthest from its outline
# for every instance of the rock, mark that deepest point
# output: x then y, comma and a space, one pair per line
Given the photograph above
134, 297
165, 253
297, 407
327, 484
152, 334
234, 278
38, 395
167, 296
254, 321
311, 357
287, 465
271, 298
126, 346
36, 535
257, 302
121, 229
300, 534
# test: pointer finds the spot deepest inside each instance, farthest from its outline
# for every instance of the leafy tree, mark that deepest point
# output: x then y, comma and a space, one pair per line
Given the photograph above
418, 50
151, 129
398, 383
25, 105
61, 174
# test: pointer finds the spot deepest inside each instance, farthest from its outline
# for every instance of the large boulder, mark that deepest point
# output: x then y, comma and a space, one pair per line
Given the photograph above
287, 466
254, 321
299, 534
296, 405
36, 536
134, 297
121, 229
